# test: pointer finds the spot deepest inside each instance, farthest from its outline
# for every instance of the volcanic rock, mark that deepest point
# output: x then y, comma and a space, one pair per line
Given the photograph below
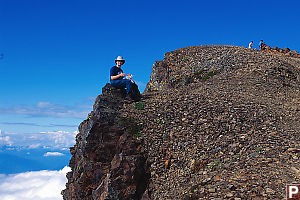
215, 122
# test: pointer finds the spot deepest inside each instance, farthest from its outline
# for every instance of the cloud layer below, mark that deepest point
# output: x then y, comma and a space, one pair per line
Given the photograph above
46, 109
39, 185
53, 154
50, 139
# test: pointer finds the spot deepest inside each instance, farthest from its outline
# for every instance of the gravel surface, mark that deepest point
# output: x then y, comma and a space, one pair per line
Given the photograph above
221, 122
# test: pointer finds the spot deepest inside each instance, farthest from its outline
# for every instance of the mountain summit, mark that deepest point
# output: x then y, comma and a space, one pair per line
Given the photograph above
215, 122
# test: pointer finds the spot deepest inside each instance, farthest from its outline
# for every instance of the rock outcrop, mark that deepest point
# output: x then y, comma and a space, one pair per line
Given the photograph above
215, 122
279, 51
199, 63
108, 162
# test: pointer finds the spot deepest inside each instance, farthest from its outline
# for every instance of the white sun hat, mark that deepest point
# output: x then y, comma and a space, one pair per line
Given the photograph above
120, 58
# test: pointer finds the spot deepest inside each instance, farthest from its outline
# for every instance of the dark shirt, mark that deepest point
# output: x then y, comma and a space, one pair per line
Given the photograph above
116, 71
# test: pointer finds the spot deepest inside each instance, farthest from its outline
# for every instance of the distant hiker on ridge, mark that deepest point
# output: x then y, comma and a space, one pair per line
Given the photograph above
250, 45
262, 45
119, 80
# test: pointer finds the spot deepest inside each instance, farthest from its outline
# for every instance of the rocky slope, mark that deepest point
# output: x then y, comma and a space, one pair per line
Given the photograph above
215, 122
108, 161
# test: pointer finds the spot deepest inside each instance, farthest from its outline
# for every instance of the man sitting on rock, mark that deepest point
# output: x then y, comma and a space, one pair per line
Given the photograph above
118, 79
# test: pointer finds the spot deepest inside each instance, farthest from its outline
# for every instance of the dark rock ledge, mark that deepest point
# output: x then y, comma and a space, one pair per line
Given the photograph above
108, 161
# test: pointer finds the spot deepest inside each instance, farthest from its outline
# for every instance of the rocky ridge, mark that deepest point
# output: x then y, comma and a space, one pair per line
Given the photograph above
215, 122
108, 161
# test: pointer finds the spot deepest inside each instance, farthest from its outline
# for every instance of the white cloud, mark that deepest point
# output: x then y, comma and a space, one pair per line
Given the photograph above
47, 109
34, 146
53, 154
51, 139
5, 139
44, 104
39, 185
61, 138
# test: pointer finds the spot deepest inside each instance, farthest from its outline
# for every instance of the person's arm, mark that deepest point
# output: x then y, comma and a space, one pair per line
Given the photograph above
117, 76
116, 73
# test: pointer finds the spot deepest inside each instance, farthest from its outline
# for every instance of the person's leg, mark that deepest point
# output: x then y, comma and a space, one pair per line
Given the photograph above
135, 93
123, 83
117, 83
128, 86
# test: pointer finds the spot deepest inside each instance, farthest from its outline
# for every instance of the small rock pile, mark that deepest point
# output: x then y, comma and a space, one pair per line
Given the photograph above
285, 51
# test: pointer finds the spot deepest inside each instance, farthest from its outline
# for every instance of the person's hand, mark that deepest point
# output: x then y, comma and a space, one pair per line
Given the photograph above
122, 74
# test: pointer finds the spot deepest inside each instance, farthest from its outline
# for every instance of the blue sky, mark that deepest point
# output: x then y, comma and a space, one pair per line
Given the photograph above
57, 56
57, 53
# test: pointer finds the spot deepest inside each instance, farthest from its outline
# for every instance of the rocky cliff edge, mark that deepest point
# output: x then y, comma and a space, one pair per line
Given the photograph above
215, 122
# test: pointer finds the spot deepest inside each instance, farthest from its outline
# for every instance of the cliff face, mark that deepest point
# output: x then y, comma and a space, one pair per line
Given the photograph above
108, 161
214, 122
